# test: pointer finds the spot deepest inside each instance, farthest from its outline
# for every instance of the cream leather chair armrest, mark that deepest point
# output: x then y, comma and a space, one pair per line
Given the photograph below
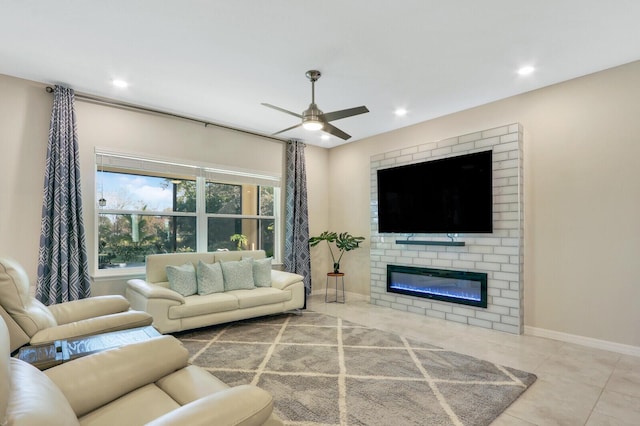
152, 291
281, 279
78, 310
95, 380
90, 326
243, 405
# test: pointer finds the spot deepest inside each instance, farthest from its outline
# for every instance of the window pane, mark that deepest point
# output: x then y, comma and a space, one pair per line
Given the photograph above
222, 198
129, 203
266, 201
123, 191
257, 233
125, 240
185, 195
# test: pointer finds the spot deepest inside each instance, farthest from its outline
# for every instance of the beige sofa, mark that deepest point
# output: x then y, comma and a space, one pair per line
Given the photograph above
173, 312
130, 385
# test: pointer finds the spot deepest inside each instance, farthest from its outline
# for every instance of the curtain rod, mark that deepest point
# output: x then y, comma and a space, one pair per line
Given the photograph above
132, 107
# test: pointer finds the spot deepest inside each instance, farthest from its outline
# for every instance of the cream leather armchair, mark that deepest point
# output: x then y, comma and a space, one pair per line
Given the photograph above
31, 322
145, 383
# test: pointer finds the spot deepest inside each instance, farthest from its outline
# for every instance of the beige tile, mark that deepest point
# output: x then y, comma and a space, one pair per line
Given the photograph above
626, 376
598, 419
508, 420
554, 402
625, 409
629, 363
580, 364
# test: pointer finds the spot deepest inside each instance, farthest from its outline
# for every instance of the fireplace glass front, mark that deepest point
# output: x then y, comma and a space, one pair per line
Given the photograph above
467, 288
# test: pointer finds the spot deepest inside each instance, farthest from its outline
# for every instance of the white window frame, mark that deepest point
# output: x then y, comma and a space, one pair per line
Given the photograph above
201, 173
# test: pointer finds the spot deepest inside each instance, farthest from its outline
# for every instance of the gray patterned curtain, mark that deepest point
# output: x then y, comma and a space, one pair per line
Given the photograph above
297, 257
63, 271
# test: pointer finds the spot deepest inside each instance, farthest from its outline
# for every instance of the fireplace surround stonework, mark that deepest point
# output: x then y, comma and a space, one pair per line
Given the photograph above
499, 254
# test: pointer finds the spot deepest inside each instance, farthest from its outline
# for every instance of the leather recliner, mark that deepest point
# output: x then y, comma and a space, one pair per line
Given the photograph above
31, 322
144, 383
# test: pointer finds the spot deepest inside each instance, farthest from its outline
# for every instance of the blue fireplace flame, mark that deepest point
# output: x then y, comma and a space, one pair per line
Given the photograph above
448, 291
468, 288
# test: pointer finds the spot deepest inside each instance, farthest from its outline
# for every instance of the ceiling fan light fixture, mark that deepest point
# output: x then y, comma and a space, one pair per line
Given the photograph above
312, 118
313, 125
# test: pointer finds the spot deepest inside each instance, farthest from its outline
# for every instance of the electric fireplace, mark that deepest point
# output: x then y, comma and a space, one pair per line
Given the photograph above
467, 288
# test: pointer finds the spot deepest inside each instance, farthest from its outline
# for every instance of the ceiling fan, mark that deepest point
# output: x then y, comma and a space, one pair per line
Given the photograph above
314, 119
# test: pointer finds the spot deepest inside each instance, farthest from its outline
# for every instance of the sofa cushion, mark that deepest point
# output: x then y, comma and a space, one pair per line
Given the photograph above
261, 271
260, 296
182, 279
203, 305
138, 407
35, 399
210, 278
190, 384
16, 299
238, 275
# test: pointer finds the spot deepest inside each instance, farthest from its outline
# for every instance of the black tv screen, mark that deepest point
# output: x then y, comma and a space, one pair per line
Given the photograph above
449, 195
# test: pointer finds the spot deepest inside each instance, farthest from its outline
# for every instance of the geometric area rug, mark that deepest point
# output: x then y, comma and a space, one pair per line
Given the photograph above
322, 370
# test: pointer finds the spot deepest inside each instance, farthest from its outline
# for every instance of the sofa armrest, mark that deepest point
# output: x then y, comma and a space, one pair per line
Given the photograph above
78, 310
152, 291
103, 324
243, 405
95, 380
283, 279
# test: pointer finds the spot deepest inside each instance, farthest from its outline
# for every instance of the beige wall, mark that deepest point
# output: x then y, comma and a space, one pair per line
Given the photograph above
582, 198
582, 187
25, 110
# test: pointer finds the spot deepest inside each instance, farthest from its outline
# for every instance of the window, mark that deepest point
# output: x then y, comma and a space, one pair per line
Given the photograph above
162, 209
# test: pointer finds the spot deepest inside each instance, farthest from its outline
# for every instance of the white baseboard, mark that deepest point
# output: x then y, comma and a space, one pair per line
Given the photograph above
584, 341
348, 294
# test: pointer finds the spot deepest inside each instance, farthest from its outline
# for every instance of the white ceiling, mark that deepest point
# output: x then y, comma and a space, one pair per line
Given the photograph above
219, 60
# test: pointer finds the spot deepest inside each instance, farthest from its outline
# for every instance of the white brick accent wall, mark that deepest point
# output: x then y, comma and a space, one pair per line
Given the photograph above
499, 254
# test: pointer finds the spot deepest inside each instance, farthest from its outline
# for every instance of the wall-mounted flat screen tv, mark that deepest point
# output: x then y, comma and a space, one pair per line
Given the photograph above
449, 195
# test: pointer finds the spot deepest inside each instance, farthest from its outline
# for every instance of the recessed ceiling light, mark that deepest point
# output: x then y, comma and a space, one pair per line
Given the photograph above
325, 137
400, 112
526, 70
119, 83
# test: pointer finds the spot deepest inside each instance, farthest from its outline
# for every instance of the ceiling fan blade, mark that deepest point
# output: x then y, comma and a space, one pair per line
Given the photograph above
330, 128
287, 129
336, 115
282, 110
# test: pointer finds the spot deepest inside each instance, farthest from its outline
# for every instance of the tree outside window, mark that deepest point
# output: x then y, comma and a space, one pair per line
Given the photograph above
155, 214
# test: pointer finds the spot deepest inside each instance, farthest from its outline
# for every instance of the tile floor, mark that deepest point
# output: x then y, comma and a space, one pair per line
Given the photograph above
576, 385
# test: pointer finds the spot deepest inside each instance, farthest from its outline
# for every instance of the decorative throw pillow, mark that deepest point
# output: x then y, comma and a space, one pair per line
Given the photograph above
210, 278
183, 279
261, 271
238, 275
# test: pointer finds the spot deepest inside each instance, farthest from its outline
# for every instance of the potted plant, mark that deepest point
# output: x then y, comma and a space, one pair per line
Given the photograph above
344, 242
240, 239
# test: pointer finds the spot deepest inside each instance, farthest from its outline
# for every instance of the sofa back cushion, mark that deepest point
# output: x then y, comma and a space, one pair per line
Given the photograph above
261, 271
238, 274
226, 256
210, 279
30, 314
156, 264
5, 355
17, 336
35, 399
182, 279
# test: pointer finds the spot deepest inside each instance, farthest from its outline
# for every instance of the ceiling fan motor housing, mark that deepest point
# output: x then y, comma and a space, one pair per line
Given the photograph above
312, 113
312, 118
